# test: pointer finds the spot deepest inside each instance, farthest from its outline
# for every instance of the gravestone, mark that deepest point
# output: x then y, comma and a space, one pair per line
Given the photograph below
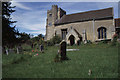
19, 49
6, 51
32, 46
63, 50
11, 51
41, 48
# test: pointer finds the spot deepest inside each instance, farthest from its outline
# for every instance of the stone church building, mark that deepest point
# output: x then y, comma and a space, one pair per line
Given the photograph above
93, 25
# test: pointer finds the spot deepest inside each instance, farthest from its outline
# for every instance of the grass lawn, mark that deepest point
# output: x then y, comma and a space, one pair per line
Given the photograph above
102, 59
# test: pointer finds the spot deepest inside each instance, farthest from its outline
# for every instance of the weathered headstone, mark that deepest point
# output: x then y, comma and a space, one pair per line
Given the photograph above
17, 50
32, 46
41, 48
58, 52
63, 50
20, 49
6, 51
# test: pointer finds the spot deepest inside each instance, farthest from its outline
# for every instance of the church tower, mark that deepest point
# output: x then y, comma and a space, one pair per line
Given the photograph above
52, 16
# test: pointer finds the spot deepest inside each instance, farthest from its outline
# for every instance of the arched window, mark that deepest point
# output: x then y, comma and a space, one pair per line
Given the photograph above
102, 33
64, 33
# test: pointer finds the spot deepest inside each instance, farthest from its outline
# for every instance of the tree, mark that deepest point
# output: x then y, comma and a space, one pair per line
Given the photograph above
56, 39
40, 36
23, 37
8, 32
37, 40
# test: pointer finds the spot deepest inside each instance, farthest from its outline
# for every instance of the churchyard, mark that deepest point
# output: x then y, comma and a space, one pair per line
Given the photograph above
29, 52
90, 61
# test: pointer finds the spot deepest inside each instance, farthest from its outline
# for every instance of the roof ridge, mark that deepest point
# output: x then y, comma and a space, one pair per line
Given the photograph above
88, 15
89, 11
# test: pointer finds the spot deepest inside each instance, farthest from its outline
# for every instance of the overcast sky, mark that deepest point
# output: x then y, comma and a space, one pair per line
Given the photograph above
31, 16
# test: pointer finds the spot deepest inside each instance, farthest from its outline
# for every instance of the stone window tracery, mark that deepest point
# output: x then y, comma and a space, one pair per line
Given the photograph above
102, 33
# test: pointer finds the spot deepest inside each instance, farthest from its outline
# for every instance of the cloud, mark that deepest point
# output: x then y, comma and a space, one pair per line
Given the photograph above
19, 5
32, 22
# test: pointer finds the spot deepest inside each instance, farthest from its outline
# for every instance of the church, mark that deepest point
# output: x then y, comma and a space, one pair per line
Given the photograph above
93, 25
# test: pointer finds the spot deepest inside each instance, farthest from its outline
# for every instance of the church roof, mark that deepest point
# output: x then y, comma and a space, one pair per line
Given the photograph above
86, 16
117, 22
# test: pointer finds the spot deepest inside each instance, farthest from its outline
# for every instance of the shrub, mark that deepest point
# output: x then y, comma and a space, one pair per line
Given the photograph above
54, 40
50, 43
89, 42
114, 41
102, 42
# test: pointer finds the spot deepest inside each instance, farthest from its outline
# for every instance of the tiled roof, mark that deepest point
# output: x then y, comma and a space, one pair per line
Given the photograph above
83, 16
117, 22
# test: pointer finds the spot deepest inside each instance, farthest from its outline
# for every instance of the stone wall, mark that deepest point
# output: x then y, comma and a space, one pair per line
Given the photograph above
109, 24
90, 27
50, 32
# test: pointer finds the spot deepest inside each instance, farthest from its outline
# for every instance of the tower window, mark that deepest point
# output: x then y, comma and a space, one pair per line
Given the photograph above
102, 33
50, 15
50, 24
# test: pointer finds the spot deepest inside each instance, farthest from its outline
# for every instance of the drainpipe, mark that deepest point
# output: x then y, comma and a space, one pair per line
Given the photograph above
94, 29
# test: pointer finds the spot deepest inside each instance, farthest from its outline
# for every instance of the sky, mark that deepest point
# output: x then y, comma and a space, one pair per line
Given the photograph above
31, 16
